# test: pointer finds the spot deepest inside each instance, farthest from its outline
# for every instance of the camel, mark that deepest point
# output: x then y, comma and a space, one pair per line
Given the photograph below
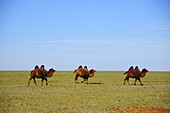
135, 73
84, 73
41, 73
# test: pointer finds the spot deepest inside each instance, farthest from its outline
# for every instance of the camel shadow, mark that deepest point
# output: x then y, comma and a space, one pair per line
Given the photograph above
95, 83
139, 85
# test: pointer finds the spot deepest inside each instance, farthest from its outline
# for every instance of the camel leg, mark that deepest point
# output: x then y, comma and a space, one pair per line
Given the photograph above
135, 81
83, 80
76, 81
140, 82
125, 81
46, 81
29, 81
42, 82
128, 80
35, 82
86, 80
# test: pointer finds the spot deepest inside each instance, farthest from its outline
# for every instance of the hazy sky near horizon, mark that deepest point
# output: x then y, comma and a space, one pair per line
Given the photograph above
102, 34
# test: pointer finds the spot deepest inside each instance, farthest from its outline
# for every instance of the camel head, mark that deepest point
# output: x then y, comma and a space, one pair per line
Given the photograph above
92, 71
52, 70
144, 70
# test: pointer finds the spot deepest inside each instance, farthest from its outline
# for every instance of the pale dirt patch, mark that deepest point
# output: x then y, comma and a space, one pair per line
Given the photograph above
156, 81
140, 110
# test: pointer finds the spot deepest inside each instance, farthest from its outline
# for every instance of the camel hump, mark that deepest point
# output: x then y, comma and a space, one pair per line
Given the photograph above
43, 70
81, 71
131, 68
80, 67
36, 67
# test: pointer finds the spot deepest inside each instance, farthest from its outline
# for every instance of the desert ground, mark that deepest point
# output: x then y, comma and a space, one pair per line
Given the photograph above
104, 93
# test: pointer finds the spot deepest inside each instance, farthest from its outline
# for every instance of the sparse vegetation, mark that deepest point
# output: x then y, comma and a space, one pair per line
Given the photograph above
104, 93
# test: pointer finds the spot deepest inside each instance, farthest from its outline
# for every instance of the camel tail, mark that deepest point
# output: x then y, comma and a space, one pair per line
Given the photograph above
125, 73
74, 71
31, 72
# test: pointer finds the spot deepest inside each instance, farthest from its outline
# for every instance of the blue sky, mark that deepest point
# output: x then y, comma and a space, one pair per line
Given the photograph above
102, 34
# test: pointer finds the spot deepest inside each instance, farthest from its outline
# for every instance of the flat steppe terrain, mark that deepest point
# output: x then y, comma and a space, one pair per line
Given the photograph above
104, 93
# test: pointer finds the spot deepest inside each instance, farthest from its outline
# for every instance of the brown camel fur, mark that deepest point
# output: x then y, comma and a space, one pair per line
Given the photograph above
85, 68
45, 71
90, 75
78, 68
135, 74
131, 68
84, 74
41, 73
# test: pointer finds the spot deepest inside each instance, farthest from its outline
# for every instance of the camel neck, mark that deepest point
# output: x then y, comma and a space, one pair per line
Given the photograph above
143, 74
91, 74
49, 74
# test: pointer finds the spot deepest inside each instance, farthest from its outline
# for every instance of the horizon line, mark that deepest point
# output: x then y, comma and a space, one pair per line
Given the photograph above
73, 70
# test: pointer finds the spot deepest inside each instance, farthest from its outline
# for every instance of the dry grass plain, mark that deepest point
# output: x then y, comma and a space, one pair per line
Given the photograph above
104, 93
